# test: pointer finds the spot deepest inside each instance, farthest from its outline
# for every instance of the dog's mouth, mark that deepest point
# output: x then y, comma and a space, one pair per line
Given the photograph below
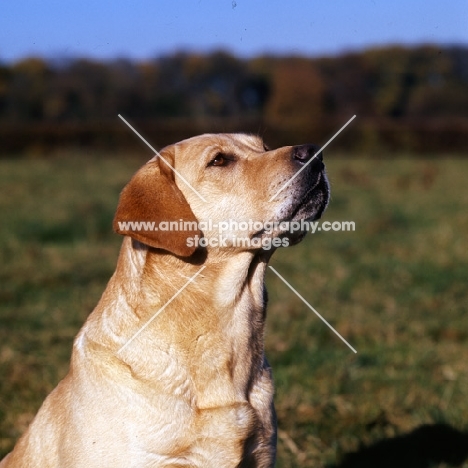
310, 207
314, 201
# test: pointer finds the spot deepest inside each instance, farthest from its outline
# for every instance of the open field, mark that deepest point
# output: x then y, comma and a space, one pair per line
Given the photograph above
396, 289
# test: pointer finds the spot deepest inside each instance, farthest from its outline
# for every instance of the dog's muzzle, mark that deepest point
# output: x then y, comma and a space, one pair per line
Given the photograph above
312, 184
313, 181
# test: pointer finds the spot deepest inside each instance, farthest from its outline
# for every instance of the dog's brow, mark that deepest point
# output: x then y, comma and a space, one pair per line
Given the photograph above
255, 143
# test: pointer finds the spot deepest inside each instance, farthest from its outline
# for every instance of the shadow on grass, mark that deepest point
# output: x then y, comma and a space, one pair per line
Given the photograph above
426, 446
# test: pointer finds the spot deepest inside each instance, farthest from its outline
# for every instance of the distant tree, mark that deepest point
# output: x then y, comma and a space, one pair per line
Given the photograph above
5, 78
440, 87
27, 86
297, 93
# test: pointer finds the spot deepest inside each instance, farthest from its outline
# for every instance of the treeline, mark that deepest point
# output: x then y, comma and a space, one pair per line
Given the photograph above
406, 99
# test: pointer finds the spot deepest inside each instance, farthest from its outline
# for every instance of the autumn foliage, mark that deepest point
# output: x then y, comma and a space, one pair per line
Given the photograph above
406, 99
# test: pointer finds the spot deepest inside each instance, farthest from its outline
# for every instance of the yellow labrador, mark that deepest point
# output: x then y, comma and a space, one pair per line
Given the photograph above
169, 369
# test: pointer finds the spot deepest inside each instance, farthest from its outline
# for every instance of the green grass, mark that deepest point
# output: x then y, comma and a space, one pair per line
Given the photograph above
395, 289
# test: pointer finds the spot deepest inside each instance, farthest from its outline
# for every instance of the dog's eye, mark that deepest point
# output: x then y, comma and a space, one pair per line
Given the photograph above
220, 160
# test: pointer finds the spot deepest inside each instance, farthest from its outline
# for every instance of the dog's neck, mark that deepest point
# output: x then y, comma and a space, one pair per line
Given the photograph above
212, 312
226, 276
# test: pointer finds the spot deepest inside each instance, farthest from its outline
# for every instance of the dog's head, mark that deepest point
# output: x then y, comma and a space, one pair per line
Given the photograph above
223, 191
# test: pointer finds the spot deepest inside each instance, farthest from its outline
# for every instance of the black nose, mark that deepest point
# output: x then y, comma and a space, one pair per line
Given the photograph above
304, 153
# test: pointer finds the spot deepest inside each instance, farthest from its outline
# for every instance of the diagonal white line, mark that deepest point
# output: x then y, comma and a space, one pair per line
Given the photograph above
312, 309
157, 153
161, 309
312, 158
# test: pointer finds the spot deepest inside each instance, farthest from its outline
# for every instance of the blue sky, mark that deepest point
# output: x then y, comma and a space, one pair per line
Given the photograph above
149, 28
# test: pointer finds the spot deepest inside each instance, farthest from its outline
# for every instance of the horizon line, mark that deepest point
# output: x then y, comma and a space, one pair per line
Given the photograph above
212, 50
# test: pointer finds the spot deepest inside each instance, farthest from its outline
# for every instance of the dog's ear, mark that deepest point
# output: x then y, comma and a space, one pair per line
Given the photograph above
152, 197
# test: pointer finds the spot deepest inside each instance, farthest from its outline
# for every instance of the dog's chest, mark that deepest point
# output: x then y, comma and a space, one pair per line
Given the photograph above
210, 437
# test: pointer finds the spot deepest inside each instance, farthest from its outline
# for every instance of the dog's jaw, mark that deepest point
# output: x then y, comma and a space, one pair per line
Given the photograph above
315, 201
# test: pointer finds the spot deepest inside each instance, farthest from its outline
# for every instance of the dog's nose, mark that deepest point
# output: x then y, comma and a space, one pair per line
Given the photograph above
303, 154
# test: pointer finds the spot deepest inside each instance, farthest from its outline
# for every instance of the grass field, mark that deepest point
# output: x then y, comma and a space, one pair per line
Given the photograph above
396, 289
